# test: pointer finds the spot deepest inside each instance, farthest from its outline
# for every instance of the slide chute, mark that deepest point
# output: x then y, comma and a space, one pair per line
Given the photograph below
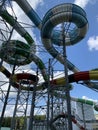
66, 9
65, 115
21, 53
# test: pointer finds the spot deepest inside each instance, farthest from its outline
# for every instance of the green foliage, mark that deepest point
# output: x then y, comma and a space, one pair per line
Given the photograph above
40, 117
6, 122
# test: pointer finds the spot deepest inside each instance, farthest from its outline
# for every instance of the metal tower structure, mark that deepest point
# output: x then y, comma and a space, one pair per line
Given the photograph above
28, 85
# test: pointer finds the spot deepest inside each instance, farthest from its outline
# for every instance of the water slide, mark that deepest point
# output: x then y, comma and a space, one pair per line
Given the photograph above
76, 77
23, 78
83, 101
61, 82
34, 79
59, 14
28, 50
29, 11
64, 115
17, 52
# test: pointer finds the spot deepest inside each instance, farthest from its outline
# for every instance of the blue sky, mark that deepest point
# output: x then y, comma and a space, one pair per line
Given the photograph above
83, 54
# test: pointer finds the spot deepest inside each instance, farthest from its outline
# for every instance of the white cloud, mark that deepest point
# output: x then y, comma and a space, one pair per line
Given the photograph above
81, 3
23, 18
9, 110
93, 43
87, 98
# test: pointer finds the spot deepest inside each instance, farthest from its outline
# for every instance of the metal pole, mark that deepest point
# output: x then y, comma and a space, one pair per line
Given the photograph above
13, 119
31, 120
32, 109
25, 113
4, 107
83, 115
8, 91
68, 101
48, 92
6, 99
52, 97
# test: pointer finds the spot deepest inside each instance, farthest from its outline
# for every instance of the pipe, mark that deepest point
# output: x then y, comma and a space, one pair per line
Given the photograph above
9, 19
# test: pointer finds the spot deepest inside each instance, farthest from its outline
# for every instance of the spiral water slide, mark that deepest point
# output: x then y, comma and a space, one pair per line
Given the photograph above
17, 52
64, 115
83, 101
59, 14
25, 78
39, 23
76, 77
